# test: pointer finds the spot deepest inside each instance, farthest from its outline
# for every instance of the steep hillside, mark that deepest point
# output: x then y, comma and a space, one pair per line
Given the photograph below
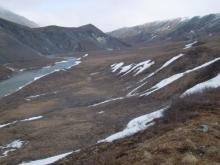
55, 40
10, 16
183, 29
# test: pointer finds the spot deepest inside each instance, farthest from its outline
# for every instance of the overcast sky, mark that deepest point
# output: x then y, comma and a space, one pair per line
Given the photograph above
108, 14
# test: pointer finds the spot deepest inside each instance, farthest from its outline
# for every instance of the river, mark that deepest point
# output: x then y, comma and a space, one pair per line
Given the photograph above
22, 79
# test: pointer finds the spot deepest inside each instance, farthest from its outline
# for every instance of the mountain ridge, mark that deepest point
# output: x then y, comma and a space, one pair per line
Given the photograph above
178, 28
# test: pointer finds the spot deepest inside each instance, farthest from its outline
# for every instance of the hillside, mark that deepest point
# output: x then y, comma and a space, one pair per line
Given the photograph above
180, 28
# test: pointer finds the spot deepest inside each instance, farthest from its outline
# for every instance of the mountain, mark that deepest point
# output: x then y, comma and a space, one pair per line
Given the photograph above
12, 51
10, 16
55, 40
180, 28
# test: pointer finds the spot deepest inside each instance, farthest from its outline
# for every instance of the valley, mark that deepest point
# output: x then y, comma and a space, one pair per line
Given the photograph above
86, 101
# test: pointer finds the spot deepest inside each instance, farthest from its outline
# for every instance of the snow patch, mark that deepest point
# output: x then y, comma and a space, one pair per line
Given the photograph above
107, 101
188, 46
212, 83
49, 160
125, 68
33, 118
93, 74
116, 66
8, 124
136, 125
24, 120
13, 146
60, 62
85, 55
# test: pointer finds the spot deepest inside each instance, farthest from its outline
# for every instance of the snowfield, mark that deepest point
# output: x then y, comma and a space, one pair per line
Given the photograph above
212, 83
136, 125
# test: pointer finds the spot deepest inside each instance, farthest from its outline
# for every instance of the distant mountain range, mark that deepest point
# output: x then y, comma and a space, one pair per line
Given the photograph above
20, 42
180, 28
10, 16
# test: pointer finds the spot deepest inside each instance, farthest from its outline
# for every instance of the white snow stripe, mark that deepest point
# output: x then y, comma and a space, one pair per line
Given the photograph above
47, 161
166, 64
33, 118
107, 101
190, 45
8, 124
24, 120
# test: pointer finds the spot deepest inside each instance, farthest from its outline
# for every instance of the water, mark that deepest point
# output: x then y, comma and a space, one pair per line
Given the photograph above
22, 79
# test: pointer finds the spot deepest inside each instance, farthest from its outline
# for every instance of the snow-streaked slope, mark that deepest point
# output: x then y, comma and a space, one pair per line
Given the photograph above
175, 77
135, 125
212, 83
167, 63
